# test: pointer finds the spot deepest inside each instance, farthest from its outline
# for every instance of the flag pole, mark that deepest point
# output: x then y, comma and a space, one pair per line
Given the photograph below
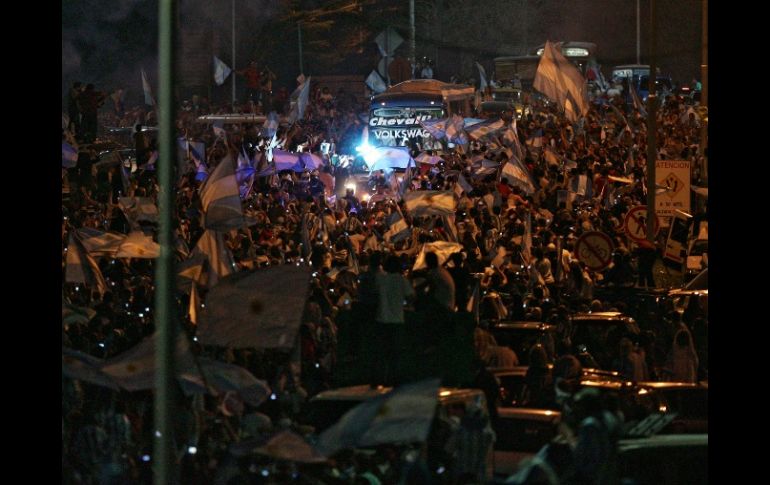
652, 151
233, 76
163, 453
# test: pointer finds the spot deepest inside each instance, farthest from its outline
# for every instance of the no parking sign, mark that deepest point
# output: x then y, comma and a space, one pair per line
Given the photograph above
594, 249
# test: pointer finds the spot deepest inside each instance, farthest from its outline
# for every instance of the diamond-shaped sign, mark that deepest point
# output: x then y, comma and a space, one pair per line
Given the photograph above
389, 40
673, 183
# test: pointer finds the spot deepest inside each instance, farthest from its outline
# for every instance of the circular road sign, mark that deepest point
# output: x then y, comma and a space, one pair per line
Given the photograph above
636, 223
594, 249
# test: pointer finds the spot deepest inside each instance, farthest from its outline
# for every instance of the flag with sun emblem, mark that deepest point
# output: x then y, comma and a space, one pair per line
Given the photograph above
430, 202
260, 309
134, 369
403, 415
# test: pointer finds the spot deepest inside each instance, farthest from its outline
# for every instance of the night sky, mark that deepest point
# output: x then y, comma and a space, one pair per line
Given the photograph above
107, 42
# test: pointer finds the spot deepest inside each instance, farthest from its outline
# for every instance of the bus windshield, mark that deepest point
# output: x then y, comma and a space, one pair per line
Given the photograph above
395, 115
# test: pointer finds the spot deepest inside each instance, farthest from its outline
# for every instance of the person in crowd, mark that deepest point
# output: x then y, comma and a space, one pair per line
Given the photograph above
361, 312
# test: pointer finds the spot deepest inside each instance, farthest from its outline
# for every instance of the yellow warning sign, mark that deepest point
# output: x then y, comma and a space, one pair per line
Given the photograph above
671, 185
672, 188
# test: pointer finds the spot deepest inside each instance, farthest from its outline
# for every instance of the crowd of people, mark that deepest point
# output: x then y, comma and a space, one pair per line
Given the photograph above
517, 261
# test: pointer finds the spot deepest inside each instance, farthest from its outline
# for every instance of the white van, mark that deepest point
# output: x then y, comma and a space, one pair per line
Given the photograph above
632, 72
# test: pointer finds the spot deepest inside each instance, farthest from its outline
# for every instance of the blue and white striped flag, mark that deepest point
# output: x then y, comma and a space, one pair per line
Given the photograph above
455, 131
519, 175
467, 188
271, 125
299, 102
284, 160
150, 165
220, 198
404, 415
148, 99
485, 128
482, 77
221, 71
638, 104
375, 82
244, 174
436, 128
260, 309
134, 369
219, 129
82, 267
69, 155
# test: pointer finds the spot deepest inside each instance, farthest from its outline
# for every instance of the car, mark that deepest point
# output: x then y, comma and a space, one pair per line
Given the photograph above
521, 336
697, 258
685, 404
521, 432
598, 334
502, 109
688, 401
664, 459
114, 156
511, 385
327, 407
512, 382
692, 301
663, 86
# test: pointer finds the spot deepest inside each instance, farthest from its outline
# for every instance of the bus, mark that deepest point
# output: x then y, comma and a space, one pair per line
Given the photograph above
395, 114
516, 74
582, 54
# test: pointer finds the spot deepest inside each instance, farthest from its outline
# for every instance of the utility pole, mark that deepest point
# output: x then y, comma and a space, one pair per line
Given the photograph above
411, 35
652, 151
638, 34
299, 40
164, 458
704, 95
233, 75
387, 54
526, 28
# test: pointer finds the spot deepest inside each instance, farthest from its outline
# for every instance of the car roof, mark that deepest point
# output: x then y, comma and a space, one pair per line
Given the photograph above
519, 370
589, 374
602, 316
519, 325
664, 440
674, 385
496, 105
364, 391
606, 384
681, 292
407, 99
632, 66
534, 414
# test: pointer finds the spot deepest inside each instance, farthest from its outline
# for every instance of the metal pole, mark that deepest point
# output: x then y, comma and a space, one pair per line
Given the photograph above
299, 37
638, 34
387, 54
704, 95
651, 130
411, 33
526, 28
233, 75
165, 325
